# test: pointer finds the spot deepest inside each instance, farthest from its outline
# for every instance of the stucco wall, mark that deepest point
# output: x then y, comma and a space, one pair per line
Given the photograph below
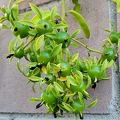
15, 92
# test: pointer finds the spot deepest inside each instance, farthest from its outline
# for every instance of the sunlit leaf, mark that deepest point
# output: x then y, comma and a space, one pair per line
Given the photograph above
60, 26
62, 79
53, 12
35, 79
68, 107
75, 33
74, 58
32, 64
92, 104
19, 68
18, 1
14, 11
34, 99
58, 87
39, 42
72, 80
56, 50
81, 22
27, 15
33, 88
36, 10
80, 95
26, 22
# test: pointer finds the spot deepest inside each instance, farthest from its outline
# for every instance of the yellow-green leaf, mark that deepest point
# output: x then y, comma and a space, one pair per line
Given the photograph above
68, 107
39, 42
81, 22
36, 10
92, 104
58, 87
72, 80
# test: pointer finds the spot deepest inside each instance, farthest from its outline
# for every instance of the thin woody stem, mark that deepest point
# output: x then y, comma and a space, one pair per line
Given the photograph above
30, 42
85, 46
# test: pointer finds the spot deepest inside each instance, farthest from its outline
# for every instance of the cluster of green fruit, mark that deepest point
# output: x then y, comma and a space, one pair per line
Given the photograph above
46, 48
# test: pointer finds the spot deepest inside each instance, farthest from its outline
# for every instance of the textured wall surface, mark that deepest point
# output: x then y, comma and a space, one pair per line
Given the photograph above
15, 92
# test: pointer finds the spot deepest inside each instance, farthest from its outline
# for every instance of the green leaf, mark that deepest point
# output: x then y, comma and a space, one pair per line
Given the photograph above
39, 42
11, 20
2, 19
55, 92
80, 95
81, 22
75, 33
36, 10
118, 5
53, 12
27, 15
34, 99
18, 1
36, 71
33, 87
32, 64
51, 35
92, 104
74, 58
67, 54
68, 107
49, 88
72, 80
26, 22
2, 26
60, 26
110, 64
40, 85
104, 65
14, 11
77, 5
9, 4
75, 45
35, 79
89, 82
48, 67
56, 50
19, 68
58, 87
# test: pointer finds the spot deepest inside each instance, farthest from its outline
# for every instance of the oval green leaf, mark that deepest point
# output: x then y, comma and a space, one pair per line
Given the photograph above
81, 22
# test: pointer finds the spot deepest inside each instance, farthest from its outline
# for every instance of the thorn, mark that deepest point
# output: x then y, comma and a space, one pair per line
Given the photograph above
9, 56
39, 105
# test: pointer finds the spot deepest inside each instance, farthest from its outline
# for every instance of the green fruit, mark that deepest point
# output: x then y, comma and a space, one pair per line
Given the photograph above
19, 53
78, 106
64, 38
65, 68
44, 57
48, 98
114, 37
33, 57
108, 54
44, 26
20, 29
95, 72
80, 88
